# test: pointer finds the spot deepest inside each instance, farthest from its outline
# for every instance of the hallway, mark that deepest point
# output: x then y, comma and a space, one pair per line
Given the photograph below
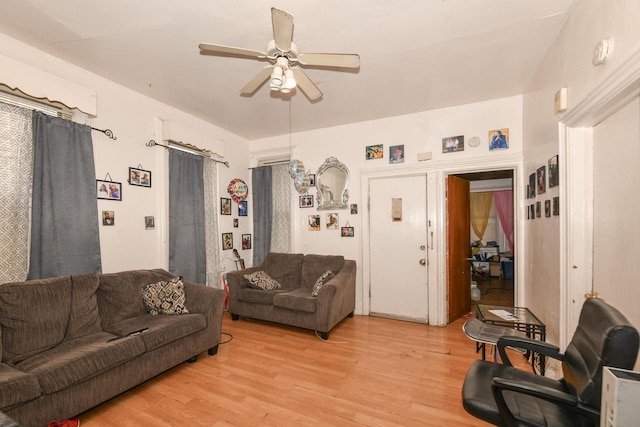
495, 290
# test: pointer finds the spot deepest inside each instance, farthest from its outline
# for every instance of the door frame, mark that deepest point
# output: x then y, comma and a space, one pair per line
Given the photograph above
436, 173
575, 132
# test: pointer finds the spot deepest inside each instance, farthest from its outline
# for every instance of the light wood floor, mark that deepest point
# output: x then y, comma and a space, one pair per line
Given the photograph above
371, 372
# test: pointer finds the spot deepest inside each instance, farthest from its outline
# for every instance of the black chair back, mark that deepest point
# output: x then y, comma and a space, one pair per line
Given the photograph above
604, 337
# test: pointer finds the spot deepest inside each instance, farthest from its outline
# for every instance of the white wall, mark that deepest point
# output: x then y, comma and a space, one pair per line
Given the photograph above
421, 132
135, 119
567, 64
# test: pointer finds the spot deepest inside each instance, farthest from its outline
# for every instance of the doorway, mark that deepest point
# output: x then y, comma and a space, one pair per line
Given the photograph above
398, 240
489, 257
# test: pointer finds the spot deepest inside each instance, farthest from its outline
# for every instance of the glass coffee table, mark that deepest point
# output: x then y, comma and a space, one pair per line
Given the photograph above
520, 319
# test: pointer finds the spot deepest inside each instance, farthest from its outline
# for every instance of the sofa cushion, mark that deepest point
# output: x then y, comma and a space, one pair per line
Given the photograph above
165, 297
261, 280
37, 309
315, 265
324, 278
16, 386
161, 330
258, 296
297, 299
79, 359
120, 294
84, 318
286, 269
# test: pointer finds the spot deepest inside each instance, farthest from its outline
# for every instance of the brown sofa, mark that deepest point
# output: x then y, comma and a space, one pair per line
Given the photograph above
59, 355
293, 303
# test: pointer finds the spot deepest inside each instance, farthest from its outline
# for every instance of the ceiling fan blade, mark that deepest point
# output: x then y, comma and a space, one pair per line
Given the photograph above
306, 85
257, 80
218, 49
339, 60
282, 29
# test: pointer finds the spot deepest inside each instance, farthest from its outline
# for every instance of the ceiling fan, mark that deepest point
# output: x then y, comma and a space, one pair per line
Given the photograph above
284, 72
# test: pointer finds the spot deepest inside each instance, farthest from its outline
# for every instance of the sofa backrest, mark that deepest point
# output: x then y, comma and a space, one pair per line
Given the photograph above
84, 318
33, 316
286, 269
120, 294
315, 266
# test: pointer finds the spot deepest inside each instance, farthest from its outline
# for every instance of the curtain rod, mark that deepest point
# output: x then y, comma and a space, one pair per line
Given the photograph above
277, 162
107, 132
196, 150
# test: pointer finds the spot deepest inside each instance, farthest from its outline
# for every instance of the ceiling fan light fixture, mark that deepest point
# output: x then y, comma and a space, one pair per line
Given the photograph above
289, 80
277, 78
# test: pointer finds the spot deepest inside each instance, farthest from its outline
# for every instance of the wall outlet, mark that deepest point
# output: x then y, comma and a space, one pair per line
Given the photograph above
424, 156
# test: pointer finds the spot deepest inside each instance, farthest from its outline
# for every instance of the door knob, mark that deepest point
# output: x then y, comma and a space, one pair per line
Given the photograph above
423, 261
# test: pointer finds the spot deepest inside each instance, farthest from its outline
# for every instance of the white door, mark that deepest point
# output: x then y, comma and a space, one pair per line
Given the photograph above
398, 239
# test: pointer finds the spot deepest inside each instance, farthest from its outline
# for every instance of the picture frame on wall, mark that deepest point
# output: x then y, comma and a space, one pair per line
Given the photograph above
243, 208
314, 222
532, 185
139, 177
556, 206
312, 180
347, 232
332, 221
499, 139
538, 209
225, 206
149, 223
396, 154
532, 212
374, 152
553, 172
109, 190
246, 241
108, 218
306, 201
541, 179
451, 144
227, 241
547, 208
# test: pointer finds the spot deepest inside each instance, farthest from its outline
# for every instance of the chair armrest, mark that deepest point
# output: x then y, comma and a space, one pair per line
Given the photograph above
236, 280
568, 401
204, 299
528, 344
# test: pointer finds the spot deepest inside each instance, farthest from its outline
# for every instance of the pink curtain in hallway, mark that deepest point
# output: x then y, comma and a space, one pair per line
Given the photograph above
504, 205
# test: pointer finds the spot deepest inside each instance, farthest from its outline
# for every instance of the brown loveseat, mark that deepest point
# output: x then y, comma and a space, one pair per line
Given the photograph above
293, 303
59, 355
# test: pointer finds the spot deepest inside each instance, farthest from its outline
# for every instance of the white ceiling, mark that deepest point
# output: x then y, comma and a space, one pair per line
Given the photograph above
415, 55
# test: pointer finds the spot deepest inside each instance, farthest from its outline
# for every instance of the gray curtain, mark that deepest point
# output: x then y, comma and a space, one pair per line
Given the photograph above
64, 219
187, 253
262, 213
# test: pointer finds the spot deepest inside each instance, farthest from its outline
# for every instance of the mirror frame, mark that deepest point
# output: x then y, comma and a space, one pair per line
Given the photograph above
332, 162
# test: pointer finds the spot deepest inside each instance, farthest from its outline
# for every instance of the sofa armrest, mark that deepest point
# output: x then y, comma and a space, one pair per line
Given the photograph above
336, 299
205, 300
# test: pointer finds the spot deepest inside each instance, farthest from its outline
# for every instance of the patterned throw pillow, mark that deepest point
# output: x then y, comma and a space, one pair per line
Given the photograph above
326, 276
165, 297
261, 280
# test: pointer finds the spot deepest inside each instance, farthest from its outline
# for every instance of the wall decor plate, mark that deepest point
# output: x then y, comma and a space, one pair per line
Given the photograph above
474, 141
238, 190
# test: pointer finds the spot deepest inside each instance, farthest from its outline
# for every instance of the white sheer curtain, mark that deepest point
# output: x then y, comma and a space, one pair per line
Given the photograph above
281, 195
212, 240
16, 159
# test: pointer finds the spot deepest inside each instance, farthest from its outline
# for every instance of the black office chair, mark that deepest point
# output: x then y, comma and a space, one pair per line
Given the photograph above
506, 396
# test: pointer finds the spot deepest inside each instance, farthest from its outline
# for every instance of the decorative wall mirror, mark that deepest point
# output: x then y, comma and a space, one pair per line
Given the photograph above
332, 182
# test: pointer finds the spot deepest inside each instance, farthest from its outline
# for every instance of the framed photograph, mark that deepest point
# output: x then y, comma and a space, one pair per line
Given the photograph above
541, 179
532, 211
527, 192
354, 209
451, 144
553, 172
556, 206
227, 241
149, 223
396, 154
532, 185
547, 208
246, 241
374, 152
108, 190
243, 208
346, 231
538, 209
108, 218
306, 201
312, 180
332, 221
139, 177
225, 206
235, 223
498, 139
314, 222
